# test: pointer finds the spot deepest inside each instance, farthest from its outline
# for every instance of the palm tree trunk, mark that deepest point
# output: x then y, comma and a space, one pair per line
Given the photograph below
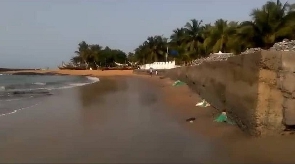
154, 56
86, 64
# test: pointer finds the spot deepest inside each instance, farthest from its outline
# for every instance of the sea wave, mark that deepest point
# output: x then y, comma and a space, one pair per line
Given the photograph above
2, 88
36, 86
93, 79
16, 97
78, 84
16, 110
39, 83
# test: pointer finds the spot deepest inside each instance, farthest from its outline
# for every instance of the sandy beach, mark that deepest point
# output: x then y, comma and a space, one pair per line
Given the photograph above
117, 120
130, 118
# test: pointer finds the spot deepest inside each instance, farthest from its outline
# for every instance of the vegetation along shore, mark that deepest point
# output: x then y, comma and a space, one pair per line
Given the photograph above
273, 22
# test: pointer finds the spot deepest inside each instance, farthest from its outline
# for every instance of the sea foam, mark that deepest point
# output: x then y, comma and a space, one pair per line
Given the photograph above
16, 110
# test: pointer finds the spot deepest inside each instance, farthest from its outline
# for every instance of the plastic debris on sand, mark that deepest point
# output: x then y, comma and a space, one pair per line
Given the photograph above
223, 118
191, 120
178, 83
203, 103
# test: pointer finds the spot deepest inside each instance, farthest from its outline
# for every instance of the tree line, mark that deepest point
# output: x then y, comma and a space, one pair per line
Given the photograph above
271, 23
94, 55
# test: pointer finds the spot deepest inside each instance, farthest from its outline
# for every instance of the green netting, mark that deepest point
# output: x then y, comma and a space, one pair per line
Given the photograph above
178, 83
223, 118
230, 122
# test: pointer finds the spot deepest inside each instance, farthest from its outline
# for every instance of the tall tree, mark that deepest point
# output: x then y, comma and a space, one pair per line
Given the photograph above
194, 37
220, 35
95, 55
270, 23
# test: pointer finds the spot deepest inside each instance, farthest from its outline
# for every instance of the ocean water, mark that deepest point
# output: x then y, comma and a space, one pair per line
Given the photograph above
19, 92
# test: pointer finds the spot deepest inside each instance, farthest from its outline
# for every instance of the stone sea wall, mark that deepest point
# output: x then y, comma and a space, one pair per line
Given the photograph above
257, 90
286, 85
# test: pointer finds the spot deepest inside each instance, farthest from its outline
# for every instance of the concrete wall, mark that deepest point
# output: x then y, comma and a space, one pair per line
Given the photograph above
257, 90
159, 65
287, 86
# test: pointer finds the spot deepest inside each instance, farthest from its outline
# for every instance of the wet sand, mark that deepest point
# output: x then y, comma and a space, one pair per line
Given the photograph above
117, 120
98, 73
130, 119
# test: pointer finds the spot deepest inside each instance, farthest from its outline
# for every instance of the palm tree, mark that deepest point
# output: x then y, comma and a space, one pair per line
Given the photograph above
95, 51
155, 47
177, 37
193, 36
207, 47
220, 34
270, 23
141, 53
76, 60
83, 52
177, 43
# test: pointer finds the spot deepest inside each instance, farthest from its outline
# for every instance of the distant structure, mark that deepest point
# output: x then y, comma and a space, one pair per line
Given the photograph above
159, 65
222, 54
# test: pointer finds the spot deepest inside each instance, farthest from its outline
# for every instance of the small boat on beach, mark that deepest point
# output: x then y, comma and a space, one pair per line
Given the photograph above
71, 67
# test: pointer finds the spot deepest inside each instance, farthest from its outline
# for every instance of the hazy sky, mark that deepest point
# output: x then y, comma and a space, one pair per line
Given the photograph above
40, 33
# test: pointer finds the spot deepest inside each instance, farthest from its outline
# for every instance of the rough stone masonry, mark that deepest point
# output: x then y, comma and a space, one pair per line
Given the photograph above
257, 90
285, 45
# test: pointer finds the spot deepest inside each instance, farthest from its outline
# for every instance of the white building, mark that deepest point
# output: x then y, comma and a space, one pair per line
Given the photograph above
159, 65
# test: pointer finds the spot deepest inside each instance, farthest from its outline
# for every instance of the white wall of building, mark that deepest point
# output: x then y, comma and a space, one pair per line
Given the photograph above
159, 65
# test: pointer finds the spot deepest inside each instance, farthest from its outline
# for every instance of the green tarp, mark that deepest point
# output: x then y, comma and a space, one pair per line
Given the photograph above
178, 83
223, 118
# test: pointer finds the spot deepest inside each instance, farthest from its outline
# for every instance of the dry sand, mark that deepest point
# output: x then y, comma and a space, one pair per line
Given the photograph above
153, 106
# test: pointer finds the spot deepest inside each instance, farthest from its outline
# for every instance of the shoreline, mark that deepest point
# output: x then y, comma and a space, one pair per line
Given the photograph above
165, 87
82, 125
157, 79
179, 105
94, 73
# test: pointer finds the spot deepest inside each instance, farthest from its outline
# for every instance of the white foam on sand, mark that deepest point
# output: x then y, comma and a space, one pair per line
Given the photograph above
17, 110
93, 79
39, 83
71, 85
17, 99
2, 88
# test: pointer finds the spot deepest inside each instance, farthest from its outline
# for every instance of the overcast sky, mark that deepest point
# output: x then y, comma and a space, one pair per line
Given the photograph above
41, 33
